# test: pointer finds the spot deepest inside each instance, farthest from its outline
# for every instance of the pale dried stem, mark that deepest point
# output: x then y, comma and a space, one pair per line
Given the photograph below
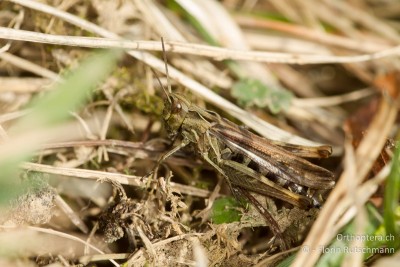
367, 20
65, 207
63, 235
333, 100
132, 180
24, 85
216, 53
29, 66
313, 35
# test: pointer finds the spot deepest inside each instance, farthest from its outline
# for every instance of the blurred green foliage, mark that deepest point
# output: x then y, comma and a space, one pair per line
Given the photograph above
51, 109
253, 92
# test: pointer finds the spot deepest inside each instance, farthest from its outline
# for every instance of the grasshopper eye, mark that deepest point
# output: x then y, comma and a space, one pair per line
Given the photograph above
176, 107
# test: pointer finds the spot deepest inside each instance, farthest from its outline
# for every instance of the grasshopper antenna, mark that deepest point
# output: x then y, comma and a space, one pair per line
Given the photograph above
162, 86
167, 93
166, 66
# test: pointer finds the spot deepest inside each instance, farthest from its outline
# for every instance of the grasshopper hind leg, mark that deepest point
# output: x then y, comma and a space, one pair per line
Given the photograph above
242, 194
220, 159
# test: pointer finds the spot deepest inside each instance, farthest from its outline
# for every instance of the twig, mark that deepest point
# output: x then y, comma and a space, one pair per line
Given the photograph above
216, 53
120, 178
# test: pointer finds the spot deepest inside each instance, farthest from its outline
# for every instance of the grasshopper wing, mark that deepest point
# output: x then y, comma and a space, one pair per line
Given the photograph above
272, 158
241, 176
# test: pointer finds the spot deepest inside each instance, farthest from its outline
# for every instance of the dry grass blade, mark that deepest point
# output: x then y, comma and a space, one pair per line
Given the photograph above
137, 181
62, 235
313, 35
367, 152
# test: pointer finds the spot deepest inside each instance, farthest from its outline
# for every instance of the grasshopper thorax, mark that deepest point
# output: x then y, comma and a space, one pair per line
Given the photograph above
176, 108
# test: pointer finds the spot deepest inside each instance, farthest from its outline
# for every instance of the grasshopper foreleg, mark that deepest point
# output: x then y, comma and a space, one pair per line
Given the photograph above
183, 143
154, 172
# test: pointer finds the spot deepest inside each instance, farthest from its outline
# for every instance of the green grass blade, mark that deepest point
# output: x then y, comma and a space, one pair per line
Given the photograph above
49, 110
391, 200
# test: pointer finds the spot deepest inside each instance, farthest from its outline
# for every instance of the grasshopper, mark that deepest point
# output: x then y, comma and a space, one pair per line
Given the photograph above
248, 162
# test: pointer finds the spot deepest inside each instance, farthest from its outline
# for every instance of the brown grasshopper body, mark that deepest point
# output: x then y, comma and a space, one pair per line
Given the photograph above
216, 140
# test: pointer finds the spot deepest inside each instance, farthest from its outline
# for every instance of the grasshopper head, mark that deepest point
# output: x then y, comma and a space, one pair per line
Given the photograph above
175, 109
